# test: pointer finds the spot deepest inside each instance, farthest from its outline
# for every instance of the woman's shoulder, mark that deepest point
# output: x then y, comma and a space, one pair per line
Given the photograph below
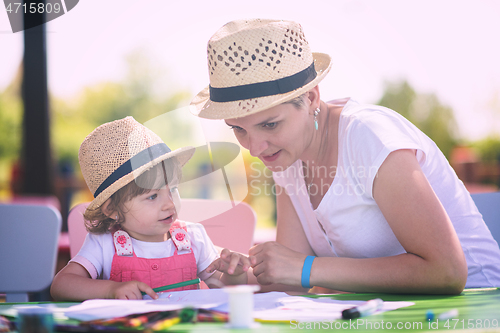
378, 120
355, 111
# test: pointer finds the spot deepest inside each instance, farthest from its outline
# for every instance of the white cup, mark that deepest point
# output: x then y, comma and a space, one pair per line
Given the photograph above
241, 305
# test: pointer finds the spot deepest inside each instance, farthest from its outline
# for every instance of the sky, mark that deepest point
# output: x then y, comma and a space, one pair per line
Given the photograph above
446, 47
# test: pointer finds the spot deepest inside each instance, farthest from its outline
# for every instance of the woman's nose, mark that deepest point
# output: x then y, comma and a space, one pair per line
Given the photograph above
256, 145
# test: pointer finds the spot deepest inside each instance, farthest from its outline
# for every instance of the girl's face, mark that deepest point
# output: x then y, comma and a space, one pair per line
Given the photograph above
278, 135
148, 216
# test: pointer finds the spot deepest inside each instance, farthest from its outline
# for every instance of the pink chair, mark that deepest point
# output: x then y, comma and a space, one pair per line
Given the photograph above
76, 228
228, 227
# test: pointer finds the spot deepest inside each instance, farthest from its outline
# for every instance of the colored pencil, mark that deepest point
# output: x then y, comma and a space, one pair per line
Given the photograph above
5, 324
212, 316
147, 318
175, 285
164, 324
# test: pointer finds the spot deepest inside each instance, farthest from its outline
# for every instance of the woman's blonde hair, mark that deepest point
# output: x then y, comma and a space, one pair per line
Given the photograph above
298, 101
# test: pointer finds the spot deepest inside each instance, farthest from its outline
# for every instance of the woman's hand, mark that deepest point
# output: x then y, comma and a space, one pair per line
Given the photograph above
232, 263
275, 263
131, 290
230, 269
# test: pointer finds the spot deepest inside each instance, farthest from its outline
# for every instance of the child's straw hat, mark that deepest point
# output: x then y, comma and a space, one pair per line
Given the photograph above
116, 153
257, 64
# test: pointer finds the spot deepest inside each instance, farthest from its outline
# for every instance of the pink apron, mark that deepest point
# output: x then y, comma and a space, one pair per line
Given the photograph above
126, 266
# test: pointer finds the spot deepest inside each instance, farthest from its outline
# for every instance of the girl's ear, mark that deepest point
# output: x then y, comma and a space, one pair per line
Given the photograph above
105, 209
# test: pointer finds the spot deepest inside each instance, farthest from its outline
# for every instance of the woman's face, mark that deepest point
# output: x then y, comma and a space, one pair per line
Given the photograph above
278, 135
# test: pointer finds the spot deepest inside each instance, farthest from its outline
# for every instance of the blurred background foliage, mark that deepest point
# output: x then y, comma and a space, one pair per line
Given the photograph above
425, 111
137, 95
488, 149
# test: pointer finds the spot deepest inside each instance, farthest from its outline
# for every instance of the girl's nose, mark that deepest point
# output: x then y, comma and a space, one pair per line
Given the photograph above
167, 199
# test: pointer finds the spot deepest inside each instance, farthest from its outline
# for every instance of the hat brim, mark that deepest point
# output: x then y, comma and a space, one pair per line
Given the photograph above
183, 155
203, 107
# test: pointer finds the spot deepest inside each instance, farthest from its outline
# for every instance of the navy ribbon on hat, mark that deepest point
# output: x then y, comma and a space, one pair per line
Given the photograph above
262, 89
142, 158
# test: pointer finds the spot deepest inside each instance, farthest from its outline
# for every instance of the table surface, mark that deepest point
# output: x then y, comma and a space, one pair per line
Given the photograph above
479, 311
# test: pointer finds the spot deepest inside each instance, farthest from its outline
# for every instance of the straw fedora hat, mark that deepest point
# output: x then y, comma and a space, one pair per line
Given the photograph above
257, 64
116, 153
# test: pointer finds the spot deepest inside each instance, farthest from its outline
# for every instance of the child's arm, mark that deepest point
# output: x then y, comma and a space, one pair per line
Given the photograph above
231, 268
73, 283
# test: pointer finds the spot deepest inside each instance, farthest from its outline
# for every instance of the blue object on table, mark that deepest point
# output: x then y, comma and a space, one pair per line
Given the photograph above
429, 315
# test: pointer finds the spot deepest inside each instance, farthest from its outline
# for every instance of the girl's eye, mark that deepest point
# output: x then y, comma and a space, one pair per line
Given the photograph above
271, 125
152, 197
173, 189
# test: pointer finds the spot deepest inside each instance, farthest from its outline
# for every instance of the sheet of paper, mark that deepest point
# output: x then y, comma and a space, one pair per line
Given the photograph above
315, 309
267, 306
168, 301
281, 306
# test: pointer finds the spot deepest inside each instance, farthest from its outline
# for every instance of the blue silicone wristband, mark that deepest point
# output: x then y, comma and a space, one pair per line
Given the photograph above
306, 271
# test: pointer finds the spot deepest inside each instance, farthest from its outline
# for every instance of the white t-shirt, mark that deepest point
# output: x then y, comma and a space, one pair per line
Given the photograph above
97, 252
353, 224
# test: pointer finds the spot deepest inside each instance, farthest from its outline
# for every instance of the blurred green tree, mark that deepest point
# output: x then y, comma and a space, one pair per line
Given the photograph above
74, 119
11, 114
10, 124
488, 149
425, 111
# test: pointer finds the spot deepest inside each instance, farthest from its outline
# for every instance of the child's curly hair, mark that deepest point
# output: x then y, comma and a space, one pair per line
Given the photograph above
97, 222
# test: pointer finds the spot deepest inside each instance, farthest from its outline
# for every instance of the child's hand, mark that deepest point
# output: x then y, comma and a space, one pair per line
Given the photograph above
131, 290
231, 263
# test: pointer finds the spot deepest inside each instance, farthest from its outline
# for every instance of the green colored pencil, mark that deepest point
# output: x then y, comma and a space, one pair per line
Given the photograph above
175, 285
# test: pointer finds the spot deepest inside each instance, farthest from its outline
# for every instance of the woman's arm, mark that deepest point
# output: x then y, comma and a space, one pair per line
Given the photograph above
434, 262
73, 283
290, 241
289, 231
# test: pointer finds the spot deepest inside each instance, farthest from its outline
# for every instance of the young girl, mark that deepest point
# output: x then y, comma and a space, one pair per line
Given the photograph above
135, 242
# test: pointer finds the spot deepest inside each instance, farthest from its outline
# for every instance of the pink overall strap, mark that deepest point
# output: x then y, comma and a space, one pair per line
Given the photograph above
123, 243
178, 232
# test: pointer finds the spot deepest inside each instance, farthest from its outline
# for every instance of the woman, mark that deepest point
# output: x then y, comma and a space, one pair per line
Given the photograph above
365, 201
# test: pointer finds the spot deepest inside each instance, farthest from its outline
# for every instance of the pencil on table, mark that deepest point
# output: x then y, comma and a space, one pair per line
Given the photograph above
175, 285
163, 324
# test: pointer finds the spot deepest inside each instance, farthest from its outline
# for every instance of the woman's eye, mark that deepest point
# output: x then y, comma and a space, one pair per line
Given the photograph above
236, 128
271, 125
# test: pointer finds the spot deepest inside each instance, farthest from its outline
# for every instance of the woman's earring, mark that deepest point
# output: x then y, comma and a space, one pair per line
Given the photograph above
316, 112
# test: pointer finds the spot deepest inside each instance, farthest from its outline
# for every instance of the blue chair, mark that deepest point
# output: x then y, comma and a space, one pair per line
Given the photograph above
29, 238
488, 205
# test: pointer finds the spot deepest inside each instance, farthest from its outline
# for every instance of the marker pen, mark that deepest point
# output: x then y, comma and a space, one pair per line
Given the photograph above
448, 315
363, 310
